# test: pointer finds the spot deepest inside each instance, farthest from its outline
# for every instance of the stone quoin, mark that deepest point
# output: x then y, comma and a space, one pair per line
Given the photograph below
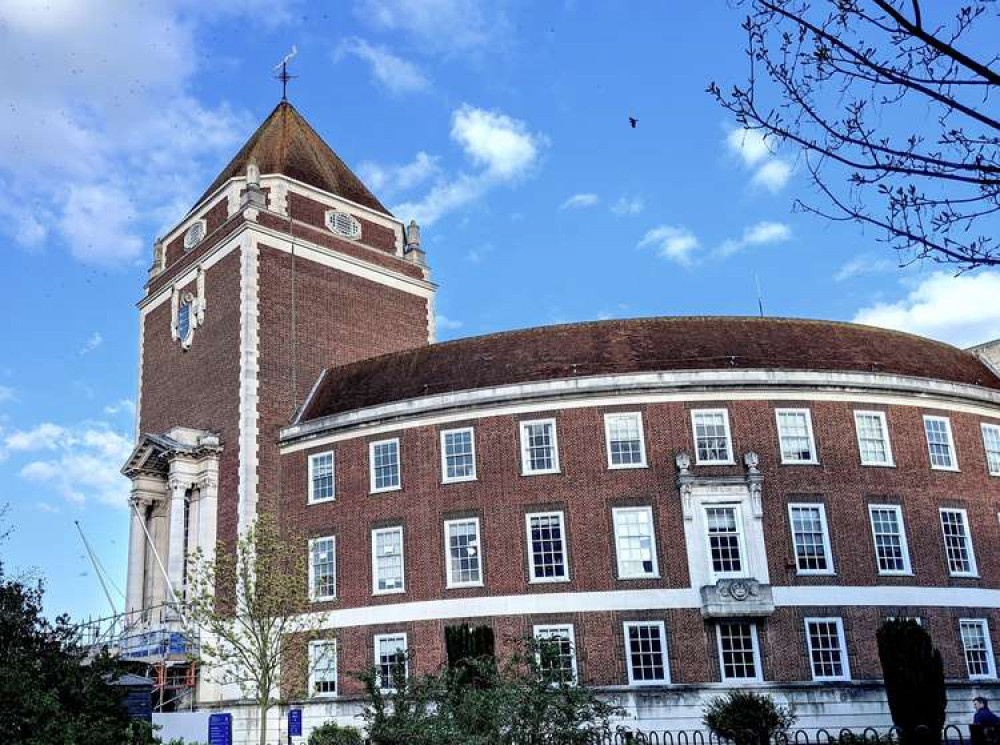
688, 504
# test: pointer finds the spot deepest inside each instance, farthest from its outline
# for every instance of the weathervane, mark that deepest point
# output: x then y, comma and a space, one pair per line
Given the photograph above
283, 76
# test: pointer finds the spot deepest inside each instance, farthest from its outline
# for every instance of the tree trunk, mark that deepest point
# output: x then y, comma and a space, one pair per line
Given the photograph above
263, 723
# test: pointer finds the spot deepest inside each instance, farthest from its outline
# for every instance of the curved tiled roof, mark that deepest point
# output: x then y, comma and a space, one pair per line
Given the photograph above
286, 144
639, 345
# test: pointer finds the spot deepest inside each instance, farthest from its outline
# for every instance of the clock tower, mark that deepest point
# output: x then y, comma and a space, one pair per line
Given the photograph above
285, 266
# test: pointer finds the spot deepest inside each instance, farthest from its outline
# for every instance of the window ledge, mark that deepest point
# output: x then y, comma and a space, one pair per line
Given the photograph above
800, 463
459, 481
547, 580
950, 469
401, 591
626, 466
464, 585
540, 473
320, 501
386, 489
878, 465
631, 577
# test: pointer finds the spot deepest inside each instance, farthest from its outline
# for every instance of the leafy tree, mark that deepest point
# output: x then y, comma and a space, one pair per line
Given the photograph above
914, 677
890, 104
51, 693
747, 718
252, 610
518, 702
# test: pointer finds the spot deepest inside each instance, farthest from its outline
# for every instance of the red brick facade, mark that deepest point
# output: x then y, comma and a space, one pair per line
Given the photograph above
586, 490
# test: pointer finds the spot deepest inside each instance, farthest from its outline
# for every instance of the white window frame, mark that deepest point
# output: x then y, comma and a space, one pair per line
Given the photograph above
967, 531
445, 479
447, 553
827, 549
312, 567
377, 639
890, 461
729, 437
615, 511
953, 466
533, 578
570, 632
841, 641
986, 427
741, 541
313, 645
903, 544
402, 561
813, 456
983, 624
628, 653
642, 439
525, 452
371, 466
759, 676
333, 477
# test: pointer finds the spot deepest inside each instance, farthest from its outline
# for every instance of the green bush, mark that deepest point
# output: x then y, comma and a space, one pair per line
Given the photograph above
914, 678
332, 733
747, 718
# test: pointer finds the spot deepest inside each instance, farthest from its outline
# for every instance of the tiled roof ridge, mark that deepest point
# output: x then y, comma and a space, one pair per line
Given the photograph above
279, 124
532, 330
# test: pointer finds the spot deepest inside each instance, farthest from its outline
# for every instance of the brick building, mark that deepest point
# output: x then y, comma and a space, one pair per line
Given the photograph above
687, 504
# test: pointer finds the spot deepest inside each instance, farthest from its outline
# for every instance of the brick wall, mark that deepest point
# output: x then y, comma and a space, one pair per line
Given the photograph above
339, 318
586, 490
199, 387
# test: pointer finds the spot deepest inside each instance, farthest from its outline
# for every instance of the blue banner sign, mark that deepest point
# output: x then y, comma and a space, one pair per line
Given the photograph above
295, 722
220, 729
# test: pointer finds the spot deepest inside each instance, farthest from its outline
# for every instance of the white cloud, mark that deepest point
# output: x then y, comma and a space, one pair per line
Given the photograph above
443, 26
751, 147
628, 206
500, 143
102, 139
92, 343
580, 200
392, 72
759, 234
501, 147
773, 175
860, 265
671, 242
394, 179
960, 310
81, 463
124, 406
447, 324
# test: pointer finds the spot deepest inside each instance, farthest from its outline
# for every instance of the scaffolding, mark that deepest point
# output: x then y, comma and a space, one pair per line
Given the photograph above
159, 645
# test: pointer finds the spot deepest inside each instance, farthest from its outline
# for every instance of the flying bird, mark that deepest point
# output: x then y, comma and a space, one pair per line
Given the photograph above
633, 121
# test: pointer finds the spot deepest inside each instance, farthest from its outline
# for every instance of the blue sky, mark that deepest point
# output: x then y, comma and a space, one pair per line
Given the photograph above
501, 126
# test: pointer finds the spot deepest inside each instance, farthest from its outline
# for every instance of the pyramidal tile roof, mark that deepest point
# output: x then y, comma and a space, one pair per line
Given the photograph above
286, 144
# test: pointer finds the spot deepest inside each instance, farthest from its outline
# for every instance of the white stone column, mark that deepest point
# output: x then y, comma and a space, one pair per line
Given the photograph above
208, 502
154, 573
175, 551
134, 590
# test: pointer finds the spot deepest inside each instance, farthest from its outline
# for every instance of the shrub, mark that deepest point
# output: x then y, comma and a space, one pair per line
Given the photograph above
747, 718
332, 733
914, 678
